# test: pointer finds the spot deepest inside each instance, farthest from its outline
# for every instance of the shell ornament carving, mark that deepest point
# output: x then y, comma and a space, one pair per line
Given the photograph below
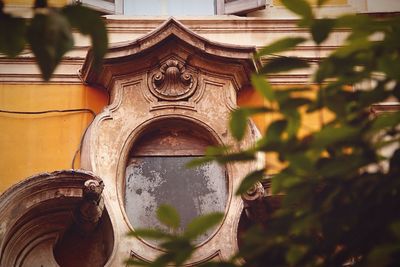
173, 82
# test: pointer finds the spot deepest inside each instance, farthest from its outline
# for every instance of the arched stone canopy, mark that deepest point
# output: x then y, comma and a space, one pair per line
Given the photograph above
171, 75
171, 38
36, 213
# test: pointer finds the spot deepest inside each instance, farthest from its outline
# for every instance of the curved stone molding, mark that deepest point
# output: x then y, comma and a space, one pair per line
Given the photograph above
169, 77
172, 36
36, 213
172, 81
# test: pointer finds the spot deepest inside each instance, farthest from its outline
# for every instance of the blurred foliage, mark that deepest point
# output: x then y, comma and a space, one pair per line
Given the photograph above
179, 246
341, 193
49, 33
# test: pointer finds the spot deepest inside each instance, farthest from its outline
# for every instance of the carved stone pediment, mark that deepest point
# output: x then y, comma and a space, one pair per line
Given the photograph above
171, 39
172, 92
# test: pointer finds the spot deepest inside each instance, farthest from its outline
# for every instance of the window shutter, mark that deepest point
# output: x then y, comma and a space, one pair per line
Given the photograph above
239, 7
105, 6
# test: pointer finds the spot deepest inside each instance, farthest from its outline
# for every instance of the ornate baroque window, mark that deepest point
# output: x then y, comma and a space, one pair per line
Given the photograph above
172, 92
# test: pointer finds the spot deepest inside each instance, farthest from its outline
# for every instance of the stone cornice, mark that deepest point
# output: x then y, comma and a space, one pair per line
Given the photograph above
255, 31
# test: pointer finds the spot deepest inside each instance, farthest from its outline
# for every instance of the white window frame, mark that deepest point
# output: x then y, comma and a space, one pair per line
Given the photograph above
105, 6
238, 7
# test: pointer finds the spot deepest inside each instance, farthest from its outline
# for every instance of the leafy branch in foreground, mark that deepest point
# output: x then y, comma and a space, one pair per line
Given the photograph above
178, 244
341, 183
49, 33
340, 186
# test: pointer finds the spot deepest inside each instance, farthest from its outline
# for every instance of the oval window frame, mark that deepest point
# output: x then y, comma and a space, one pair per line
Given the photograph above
123, 161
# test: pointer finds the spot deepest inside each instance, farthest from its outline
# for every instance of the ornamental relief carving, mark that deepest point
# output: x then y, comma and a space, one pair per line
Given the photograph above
172, 81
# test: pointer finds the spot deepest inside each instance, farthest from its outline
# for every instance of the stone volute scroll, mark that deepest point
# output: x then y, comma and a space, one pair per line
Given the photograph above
172, 81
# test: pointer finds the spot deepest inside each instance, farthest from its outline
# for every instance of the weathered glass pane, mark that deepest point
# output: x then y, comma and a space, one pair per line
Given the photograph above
152, 181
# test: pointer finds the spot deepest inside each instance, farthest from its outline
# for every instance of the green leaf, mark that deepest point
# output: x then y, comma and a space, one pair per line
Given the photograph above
321, 28
294, 103
275, 130
283, 44
294, 121
300, 7
263, 87
281, 64
89, 22
342, 165
355, 46
12, 35
163, 260
50, 37
283, 180
295, 254
325, 70
238, 121
300, 163
199, 161
168, 216
368, 97
232, 157
179, 250
150, 233
201, 224
382, 254
385, 121
395, 228
217, 150
390, 65
332, 135
250, 180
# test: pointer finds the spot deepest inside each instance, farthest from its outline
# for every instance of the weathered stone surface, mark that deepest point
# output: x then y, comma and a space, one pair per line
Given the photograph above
38, 211
169, 79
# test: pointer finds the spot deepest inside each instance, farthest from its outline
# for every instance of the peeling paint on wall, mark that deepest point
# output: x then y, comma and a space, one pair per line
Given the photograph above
152, 181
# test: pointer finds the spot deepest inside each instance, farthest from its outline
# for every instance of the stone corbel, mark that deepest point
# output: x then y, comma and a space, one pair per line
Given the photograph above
254, 205
90, 210
259, 204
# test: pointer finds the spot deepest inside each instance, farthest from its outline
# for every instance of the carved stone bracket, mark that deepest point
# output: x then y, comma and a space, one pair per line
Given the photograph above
91, 207
172, 81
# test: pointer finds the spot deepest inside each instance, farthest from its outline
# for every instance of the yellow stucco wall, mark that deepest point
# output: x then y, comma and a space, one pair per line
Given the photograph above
30, 144
310, 121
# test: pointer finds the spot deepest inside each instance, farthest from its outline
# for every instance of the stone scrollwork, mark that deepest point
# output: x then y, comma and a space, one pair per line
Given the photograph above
257, 191
172, 81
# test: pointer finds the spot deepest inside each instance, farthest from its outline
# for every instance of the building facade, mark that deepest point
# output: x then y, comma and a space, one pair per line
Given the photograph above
89, 156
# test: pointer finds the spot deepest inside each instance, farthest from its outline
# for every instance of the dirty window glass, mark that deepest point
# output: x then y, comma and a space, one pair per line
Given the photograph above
155, 180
